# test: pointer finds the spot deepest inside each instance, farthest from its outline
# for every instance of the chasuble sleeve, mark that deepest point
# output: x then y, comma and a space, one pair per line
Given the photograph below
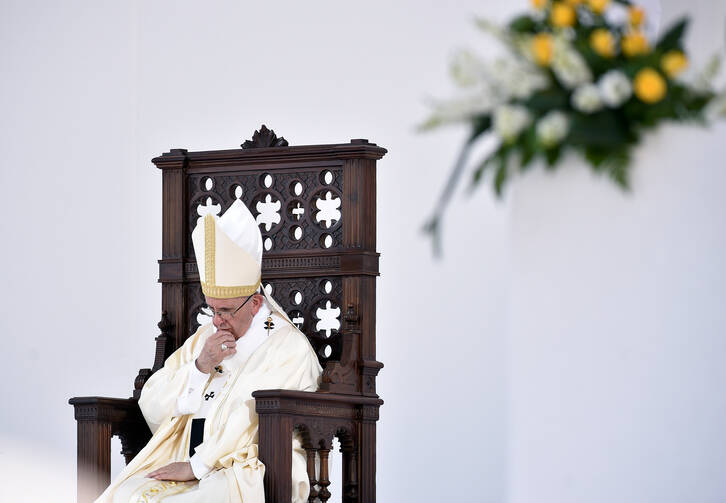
292, 364
161, 392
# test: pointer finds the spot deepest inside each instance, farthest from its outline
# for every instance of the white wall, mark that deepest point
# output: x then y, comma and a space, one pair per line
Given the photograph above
92, 90
616, 320
617, 330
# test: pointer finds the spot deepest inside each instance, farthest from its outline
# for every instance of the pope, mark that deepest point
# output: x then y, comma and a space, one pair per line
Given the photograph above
199, 406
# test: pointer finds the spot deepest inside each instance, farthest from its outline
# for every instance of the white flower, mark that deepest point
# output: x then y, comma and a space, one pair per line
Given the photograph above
510, 120
586, 98
552, 128
617, 14
569, 67
516, 78
615, 88
568, 33
716, 108
486, 86
466, 69
461, 109
701, 80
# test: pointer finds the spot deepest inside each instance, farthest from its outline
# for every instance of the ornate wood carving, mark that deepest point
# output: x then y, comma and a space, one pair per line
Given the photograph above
311, 453
139, 382
164, 342
341, 376
264, 138
133, 439
319, 417
324, 482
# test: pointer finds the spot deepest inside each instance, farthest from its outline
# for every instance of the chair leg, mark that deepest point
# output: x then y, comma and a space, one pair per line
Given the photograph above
311, 455
94, 459
324, 481
367, 467
350, 475
275, 436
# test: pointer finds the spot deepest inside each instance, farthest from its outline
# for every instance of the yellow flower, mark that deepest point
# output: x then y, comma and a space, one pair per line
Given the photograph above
542, 48
636, 15
649, 86
574, 3
598, 6
603, 42
539, 4
562, 15
634, 43
673, 63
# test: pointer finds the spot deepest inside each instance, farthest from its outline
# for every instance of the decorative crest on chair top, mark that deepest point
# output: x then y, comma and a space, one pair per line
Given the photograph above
265, 138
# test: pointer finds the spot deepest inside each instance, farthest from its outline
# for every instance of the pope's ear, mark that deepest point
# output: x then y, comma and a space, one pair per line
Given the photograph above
257, 301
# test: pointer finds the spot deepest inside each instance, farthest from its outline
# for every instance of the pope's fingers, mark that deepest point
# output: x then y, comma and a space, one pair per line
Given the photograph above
214, 338
226, 336
220, 337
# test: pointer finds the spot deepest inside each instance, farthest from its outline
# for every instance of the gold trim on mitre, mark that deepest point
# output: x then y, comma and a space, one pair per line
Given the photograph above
226, 270
229, 292
209, 242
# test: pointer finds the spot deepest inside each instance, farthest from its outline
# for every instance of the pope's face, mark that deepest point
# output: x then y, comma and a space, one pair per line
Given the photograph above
238, 324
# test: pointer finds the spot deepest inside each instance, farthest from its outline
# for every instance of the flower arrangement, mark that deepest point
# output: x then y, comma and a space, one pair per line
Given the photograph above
575, 78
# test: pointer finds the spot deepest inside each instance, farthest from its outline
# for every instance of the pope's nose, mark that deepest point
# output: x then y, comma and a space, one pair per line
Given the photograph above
219, 322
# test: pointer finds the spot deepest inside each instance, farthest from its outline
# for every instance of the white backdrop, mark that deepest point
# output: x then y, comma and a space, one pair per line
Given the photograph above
566, 349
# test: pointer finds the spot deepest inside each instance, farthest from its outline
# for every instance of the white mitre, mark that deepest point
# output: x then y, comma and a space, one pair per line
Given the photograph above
229, 253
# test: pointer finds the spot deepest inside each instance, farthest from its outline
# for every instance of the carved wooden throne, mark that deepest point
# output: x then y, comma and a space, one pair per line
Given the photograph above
320, 256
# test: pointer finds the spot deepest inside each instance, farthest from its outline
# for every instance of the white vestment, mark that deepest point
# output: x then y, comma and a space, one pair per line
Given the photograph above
284, 360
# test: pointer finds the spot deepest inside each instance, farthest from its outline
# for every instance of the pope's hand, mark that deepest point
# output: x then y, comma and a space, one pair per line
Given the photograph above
212, 353
180, 472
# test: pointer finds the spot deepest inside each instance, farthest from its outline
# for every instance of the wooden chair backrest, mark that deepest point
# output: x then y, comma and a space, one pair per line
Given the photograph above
316, 205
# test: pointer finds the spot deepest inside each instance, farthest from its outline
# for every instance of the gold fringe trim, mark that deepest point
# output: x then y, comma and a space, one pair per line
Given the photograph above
209, 245
158, 490
229, 292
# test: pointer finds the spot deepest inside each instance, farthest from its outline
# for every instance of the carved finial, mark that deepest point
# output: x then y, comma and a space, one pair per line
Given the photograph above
165, 324
140, 380
265, 138
163, 341
162, 348
351, 315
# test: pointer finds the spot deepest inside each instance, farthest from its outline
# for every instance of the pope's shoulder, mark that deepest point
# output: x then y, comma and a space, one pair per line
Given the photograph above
290, 337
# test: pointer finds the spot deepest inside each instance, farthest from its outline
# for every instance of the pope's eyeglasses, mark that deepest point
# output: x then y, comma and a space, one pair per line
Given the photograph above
225, 314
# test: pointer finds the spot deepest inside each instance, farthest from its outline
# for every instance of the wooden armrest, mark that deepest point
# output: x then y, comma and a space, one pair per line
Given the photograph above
319, 417
99, 418
313, 403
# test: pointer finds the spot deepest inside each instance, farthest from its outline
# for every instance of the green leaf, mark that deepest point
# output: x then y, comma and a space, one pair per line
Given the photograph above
604, 129
432, 228
480, 126
596, 157
526, 159
552, 155
522, 24
481, 168
614, 161
501, 174
528, 144
672, 38
547, 100
618, 162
